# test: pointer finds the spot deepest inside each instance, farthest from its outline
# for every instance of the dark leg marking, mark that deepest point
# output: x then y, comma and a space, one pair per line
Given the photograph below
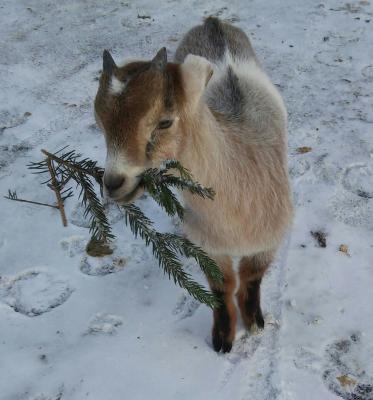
251, 272
252, 303
221, 330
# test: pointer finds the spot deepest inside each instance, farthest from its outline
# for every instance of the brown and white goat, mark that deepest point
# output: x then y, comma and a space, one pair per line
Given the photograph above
216, 111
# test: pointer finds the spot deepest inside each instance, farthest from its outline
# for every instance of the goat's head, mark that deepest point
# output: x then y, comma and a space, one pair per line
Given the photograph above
140, 107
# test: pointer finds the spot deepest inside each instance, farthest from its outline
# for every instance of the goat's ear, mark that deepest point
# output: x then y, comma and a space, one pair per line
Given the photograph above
159, 62
196, 73
108, 64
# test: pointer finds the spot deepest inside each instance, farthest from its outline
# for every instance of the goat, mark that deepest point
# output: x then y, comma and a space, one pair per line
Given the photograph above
216, 111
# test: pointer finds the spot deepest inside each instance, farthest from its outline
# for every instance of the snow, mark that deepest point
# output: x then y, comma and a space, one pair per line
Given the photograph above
77, 327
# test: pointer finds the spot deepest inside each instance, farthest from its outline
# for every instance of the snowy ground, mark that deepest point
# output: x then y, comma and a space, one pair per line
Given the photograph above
72, 327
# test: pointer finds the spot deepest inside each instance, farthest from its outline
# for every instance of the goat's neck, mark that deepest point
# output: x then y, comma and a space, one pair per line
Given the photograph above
203, 148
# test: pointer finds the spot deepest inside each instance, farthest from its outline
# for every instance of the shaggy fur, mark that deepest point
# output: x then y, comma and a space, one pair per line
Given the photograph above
230, 130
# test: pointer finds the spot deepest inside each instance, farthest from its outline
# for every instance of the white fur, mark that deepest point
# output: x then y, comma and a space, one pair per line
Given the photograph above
116, 86
117, 164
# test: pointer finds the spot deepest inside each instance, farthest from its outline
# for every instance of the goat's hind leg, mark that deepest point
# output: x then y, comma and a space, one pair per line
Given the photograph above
225, 316
251, 271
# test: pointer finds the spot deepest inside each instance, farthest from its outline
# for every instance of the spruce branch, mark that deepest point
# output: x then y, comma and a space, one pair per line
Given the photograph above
65, 167
165, 249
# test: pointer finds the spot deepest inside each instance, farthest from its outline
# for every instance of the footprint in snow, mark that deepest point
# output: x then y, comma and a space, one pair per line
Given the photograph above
331, 58
367, 72
77, 218
351, 209
34, 292
12, 119
348, 369
100, 266
103, 323
74, 245
186, 306
358, 179
352, 203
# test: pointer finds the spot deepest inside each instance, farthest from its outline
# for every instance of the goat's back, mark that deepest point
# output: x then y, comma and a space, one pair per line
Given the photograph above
212, 40
239, 91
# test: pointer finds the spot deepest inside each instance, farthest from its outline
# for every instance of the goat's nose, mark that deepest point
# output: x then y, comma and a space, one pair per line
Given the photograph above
113, 182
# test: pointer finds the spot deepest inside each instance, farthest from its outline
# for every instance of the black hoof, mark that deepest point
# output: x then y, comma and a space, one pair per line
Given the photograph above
259, 319
220, 344
226, 347
217, 342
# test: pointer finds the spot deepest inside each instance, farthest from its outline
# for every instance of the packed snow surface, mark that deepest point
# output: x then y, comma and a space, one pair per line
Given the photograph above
74, 327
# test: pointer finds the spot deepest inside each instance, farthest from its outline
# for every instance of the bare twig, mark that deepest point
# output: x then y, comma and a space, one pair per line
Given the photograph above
13, 196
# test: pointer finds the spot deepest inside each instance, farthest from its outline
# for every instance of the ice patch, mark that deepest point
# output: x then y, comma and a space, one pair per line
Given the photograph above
34, 292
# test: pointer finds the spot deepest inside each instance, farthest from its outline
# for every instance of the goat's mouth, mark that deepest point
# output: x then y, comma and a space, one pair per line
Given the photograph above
130, 197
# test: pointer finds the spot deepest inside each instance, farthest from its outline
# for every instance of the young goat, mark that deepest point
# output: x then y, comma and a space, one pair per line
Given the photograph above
215, 111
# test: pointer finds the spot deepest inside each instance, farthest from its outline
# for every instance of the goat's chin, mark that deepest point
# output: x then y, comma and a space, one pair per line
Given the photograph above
130, 197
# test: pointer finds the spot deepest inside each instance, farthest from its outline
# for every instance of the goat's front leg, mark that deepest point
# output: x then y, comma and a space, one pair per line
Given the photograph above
225, 316
251, 272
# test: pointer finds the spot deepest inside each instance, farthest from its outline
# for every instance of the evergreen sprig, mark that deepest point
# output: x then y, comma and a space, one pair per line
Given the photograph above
70, 166
166, 247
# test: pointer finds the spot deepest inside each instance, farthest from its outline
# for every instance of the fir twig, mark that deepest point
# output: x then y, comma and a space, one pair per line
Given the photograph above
71, 161
71, 166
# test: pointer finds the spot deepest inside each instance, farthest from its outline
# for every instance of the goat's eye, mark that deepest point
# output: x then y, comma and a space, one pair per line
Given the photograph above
164, 124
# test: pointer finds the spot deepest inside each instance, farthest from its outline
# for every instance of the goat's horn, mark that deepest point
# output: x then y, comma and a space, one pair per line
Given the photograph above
108, 64
159, 62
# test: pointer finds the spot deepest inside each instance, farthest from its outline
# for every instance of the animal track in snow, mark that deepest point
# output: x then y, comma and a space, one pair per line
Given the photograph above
104, 323
77, 215
367, 72
34, 292
186, 306
298, 166
358, 179
352, 202
74, 244
99, 266
348, 369
351, 209
325, 169
243, 349
307, 360
12, 119
330, 58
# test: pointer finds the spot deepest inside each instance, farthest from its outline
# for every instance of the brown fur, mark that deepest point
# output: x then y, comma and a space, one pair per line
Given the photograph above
148, 95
